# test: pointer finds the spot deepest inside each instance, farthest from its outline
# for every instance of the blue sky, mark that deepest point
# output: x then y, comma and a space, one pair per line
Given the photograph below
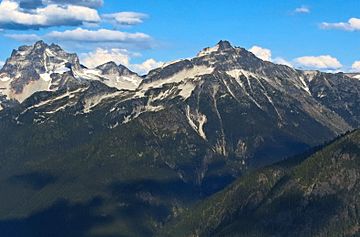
321, 34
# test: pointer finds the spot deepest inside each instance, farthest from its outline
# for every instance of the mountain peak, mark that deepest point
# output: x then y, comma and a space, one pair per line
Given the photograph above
40, 43
110, 64
224, 44
31, 68
112, 67
221, 46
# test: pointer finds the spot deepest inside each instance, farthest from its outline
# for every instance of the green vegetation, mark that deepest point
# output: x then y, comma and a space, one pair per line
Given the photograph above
317, 196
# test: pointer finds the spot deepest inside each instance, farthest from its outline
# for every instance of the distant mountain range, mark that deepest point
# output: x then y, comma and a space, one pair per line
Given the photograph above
120, 154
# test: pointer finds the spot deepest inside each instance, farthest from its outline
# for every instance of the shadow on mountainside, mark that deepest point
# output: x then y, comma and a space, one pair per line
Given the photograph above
61, 219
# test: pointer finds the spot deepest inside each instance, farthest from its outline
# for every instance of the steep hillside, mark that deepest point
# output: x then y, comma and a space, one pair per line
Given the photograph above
316, 196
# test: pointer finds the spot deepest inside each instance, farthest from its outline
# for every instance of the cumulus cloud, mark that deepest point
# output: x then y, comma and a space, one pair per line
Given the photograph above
302, 10
262, 53
319, 62
32, 4
101, 35
12, 16
119, 56
353, 24
356, 66
93, 37
86, 3
322, 62
282, 61
28, 38
266, 55
101, 56
125, 18
36, 14
146, 66
325, 62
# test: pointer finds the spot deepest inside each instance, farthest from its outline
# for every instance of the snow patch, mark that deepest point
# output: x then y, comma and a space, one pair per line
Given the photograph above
45, 76
112, 126
304, 85
273, 105
60, 108
69, 95
321, 94
186, 89
62, 69
171, 62
208, 51
129, 82
196, 121
186, 79
236, 74
142, 109
310, 75
5, 78
183, 75
29, 89
94, 101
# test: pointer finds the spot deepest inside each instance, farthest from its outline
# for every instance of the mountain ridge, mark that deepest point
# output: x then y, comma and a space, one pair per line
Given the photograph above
187, 131
279, 92
79, 72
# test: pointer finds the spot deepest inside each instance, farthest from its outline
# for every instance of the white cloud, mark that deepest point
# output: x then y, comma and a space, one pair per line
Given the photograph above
356, 66
319, 62
101, 56
325, 62
302, 10
95, 37
2, 63
353, 24
262, 53
119, 56
101, 35
125, 18
24, 37
33, 4
86, 3
266, 55
13, 17
36, 14
282, 61
146, 66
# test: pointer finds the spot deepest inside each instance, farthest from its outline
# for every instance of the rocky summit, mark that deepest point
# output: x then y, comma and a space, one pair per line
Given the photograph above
120, 154
43, 67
